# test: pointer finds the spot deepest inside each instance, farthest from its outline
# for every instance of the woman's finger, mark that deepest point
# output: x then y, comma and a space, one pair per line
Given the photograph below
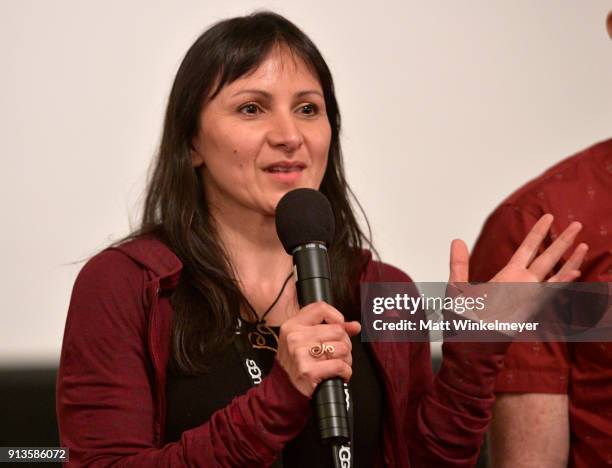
352, 328
329, 368
566, 277
338, 350
325, 332
318, 312
545, 262
530, 245
459, 262
322, 332
571, 268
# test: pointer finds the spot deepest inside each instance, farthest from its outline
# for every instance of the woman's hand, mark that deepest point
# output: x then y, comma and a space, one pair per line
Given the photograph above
524, 266
513, 303
305, 330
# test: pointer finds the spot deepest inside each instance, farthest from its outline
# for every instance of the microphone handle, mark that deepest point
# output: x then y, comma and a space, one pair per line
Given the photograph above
313, 283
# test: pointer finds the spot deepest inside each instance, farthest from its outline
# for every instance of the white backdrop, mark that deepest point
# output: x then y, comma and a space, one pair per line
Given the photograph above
447, 107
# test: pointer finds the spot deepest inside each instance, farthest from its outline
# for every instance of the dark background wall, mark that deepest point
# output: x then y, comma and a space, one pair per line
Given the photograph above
27, 403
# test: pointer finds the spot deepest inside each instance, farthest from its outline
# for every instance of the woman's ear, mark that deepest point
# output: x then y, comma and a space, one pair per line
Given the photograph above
196, 157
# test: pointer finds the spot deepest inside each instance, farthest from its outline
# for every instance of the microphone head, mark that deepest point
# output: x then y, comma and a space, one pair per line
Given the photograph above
304, 216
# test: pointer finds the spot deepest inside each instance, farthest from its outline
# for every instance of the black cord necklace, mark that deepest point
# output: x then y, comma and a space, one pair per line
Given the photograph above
262, 319
257, 338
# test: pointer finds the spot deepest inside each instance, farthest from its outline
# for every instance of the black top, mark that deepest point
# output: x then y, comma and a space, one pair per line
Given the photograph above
191, 401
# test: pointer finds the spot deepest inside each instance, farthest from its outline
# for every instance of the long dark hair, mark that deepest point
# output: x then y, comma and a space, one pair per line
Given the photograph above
207, 299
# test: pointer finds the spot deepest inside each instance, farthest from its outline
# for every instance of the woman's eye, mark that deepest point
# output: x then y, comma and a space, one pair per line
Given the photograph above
308, 109
249, 109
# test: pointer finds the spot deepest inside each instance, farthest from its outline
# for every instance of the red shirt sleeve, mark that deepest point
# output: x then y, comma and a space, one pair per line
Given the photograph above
528, 367
105, 387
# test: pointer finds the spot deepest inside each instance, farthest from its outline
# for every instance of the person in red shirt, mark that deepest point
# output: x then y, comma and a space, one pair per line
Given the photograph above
554, 400
151, 370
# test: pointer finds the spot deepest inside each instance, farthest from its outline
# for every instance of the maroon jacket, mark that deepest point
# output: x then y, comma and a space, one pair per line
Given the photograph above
111, 382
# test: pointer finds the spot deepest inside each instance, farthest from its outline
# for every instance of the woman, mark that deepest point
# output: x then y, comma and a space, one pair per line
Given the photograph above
150, 370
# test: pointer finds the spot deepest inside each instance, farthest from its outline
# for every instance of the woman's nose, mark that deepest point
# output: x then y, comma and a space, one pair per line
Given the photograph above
285, 133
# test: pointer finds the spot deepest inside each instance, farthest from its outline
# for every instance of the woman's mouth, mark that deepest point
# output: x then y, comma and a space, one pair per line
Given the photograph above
285, 173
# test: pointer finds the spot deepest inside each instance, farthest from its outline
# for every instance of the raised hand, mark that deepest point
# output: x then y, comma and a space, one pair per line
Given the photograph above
525, 265
519, 304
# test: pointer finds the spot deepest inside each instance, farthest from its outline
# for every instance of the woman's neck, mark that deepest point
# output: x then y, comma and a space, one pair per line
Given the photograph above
259, 260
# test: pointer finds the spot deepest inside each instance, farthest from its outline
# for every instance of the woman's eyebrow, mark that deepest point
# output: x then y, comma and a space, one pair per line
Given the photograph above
309, 91
253, 91
268, 95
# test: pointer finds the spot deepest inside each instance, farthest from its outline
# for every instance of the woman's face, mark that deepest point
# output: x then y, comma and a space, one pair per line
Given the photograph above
263, 135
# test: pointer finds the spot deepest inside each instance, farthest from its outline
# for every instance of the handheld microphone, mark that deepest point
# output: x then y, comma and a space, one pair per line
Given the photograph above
305, 226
